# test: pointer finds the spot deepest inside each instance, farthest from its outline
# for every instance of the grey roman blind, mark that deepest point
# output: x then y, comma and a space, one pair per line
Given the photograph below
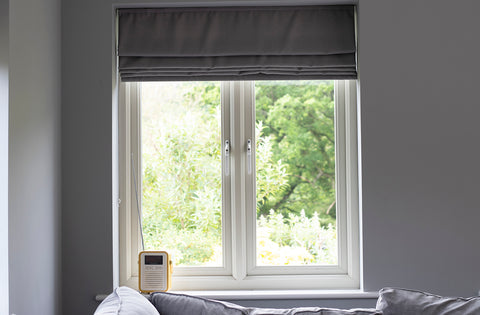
237, 43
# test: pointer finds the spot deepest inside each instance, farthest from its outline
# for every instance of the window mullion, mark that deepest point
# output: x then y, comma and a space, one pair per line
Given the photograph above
250, 178
238, 244
241, 98
340, 175
238, 248
227, 237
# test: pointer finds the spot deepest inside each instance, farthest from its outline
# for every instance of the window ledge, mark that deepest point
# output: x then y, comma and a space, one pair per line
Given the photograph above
282, 294
274, 294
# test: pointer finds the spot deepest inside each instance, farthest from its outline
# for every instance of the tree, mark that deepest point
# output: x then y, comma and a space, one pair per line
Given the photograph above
299, 118
181, 158
181, 167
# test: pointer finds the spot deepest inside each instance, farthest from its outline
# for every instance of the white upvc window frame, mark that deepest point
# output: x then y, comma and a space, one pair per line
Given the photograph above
239, 271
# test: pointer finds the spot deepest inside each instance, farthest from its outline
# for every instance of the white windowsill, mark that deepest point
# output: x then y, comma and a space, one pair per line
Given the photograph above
274, 294
281, 294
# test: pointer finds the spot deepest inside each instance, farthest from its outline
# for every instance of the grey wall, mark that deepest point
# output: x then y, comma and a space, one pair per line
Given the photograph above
419, 76
86, 153
418, 63
34, 157
4, 48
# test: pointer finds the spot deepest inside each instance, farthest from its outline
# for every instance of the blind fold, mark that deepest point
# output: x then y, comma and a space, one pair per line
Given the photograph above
237, 43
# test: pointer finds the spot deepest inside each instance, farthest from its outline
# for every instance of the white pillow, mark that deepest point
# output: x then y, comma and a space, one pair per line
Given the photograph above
396, 301
126, 301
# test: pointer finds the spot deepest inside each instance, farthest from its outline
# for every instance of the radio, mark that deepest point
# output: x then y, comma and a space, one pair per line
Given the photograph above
154, 271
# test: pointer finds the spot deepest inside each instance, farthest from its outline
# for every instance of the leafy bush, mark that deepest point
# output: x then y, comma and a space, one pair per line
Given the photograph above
181, 184
295, 240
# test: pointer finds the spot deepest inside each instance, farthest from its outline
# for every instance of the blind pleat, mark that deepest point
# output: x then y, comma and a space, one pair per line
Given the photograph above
237, 43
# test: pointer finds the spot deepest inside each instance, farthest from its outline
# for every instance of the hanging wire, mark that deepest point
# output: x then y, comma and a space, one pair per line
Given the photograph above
138, 202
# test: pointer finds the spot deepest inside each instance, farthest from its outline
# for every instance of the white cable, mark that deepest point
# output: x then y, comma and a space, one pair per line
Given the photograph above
138, 204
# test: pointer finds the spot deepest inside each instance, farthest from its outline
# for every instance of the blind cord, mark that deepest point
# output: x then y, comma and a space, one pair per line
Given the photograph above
138, 204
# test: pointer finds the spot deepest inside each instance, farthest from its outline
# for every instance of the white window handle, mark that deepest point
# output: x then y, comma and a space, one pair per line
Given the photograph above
249, 156
227, 157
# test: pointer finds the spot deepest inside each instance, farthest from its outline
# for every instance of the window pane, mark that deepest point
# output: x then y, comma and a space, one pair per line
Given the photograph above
295, 169
181, 168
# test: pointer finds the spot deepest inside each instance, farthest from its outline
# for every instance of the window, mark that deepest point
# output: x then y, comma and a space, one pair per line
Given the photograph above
251, 185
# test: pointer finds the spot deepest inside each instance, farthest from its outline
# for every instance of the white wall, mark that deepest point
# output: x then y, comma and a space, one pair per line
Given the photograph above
418, 63
4, 45
34, 157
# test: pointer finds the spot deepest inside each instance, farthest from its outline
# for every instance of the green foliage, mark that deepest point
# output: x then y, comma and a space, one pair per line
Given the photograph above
271, 173
298, 117
181, 166
295, 169
295, 240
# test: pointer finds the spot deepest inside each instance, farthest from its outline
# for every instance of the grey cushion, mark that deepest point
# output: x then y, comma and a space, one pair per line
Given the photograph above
394, 301
179, 304
126, 301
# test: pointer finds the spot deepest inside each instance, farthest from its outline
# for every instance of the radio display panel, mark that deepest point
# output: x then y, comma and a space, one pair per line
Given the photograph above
153, 260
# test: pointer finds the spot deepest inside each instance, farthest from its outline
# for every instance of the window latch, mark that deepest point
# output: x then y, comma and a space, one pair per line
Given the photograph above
227, 157
249, 156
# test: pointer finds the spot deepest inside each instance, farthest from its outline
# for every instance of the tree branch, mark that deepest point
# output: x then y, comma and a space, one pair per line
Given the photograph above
330, 207
290, 190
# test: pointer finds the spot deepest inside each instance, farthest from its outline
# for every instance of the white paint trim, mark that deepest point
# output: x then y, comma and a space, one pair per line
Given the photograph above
282, 294
274, 295
240, 219
115, 162
352, 181
4, 155
227, 186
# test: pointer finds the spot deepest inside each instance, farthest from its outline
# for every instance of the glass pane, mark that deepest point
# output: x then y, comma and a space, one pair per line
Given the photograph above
295, 167
181, 168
